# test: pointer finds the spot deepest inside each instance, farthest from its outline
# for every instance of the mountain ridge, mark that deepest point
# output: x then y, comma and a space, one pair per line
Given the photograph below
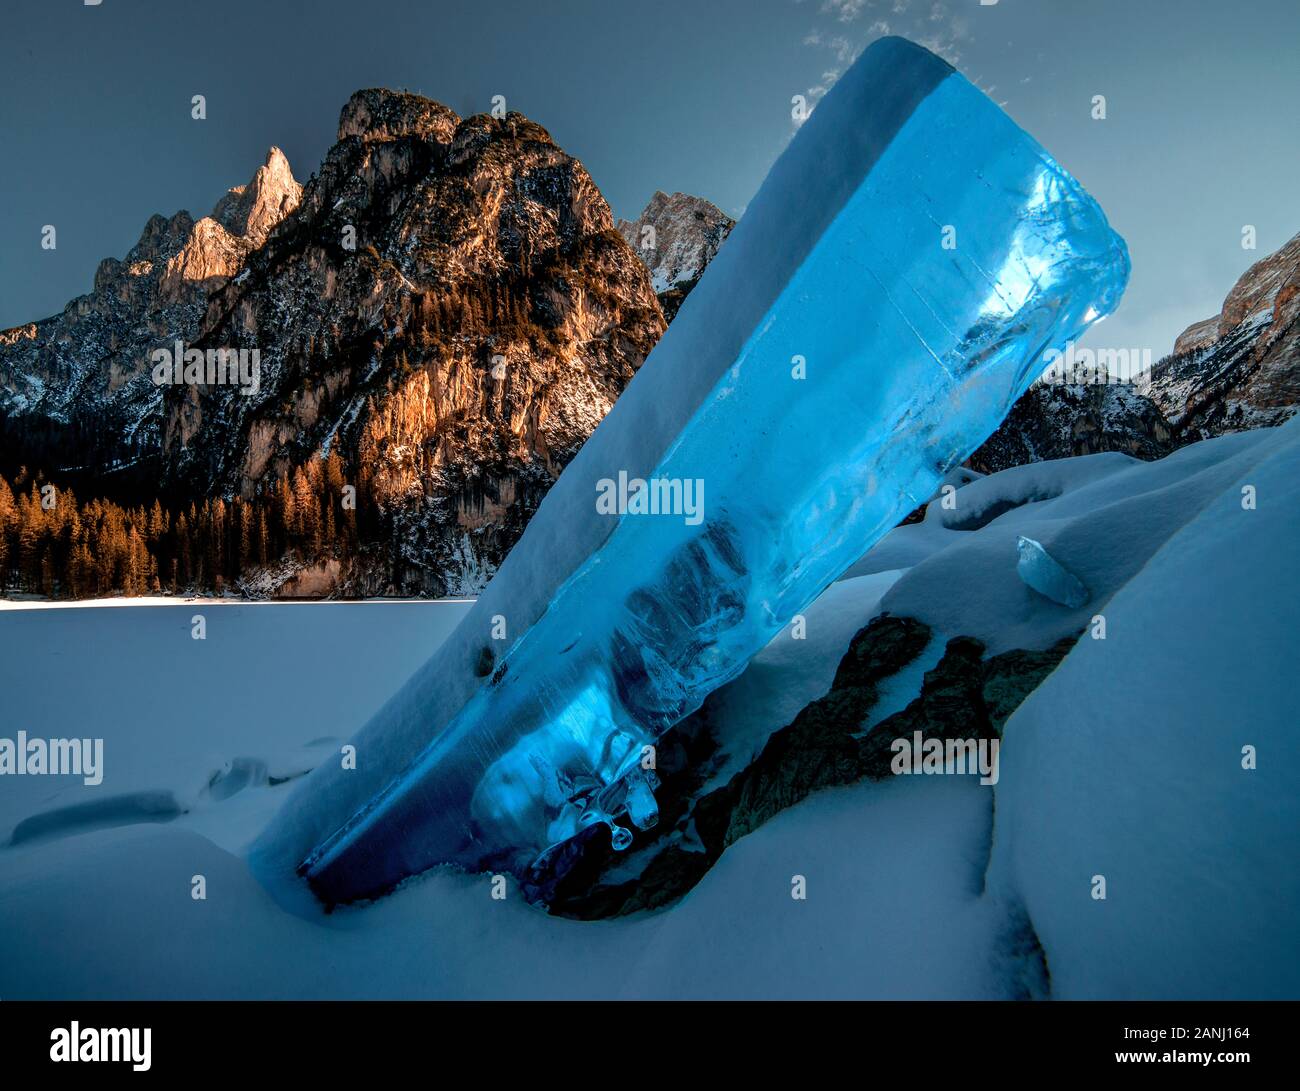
446, 306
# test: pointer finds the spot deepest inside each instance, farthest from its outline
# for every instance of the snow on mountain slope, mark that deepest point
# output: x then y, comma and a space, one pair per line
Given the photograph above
685, 235
1063, 420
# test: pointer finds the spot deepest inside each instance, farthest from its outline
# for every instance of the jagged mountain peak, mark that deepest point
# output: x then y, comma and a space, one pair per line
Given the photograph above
160, 238
377, 113
252, 211
444, 309
683, 204
467, 243
676, 236
75, 390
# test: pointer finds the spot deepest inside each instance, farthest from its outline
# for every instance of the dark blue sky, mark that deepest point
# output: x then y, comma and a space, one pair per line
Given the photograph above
1202, 135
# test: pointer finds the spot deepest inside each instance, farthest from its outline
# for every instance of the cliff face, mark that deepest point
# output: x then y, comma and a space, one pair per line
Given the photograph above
1238, 370
451, 309
447, 307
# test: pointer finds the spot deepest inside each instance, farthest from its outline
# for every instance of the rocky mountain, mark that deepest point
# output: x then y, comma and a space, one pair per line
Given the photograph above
446, 307
76, 396
1238, 370
1063, 420
458, 356
676, 237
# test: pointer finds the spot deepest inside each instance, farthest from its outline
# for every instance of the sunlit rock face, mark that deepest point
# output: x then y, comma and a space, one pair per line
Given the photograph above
451, 310
838, 358
378, 114
253, 211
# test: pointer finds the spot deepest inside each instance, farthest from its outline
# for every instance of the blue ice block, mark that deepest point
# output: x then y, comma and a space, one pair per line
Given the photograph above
951, 252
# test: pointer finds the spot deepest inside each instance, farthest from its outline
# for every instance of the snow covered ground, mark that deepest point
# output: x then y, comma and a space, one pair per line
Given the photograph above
1126, 763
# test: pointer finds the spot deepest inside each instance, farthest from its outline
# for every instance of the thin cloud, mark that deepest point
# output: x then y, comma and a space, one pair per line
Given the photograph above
931, 23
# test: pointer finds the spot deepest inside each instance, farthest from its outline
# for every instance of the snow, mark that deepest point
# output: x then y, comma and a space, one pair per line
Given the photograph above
789, 673
1101, 516
899, 690
1128, 763
103, 908
268, 681
740, 934
1125, 762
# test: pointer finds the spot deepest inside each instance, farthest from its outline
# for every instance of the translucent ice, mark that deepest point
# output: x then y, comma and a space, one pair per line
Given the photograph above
1041, 571
889, 294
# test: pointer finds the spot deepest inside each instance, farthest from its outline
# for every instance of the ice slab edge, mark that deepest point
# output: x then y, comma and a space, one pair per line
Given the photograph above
916, 254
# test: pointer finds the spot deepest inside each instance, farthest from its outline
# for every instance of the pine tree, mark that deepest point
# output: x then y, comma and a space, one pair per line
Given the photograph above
262, 543
305, 505
8, 523
244, 518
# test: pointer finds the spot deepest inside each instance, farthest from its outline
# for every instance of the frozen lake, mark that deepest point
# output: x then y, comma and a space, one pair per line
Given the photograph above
267, 681
97, 882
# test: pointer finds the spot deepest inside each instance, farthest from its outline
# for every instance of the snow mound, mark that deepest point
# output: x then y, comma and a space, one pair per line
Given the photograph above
1130, 762
1102, 517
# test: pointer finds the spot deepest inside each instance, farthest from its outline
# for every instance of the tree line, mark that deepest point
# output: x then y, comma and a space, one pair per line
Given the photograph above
54, 545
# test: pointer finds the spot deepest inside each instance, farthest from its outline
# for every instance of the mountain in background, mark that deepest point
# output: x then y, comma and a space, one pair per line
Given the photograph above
1237, 370
676, 237
443, 316
76, 397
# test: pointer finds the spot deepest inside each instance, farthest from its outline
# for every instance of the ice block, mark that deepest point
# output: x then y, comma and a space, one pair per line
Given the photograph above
888, 296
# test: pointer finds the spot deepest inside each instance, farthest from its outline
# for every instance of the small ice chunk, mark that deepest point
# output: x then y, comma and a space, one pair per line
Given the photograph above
1041, 571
